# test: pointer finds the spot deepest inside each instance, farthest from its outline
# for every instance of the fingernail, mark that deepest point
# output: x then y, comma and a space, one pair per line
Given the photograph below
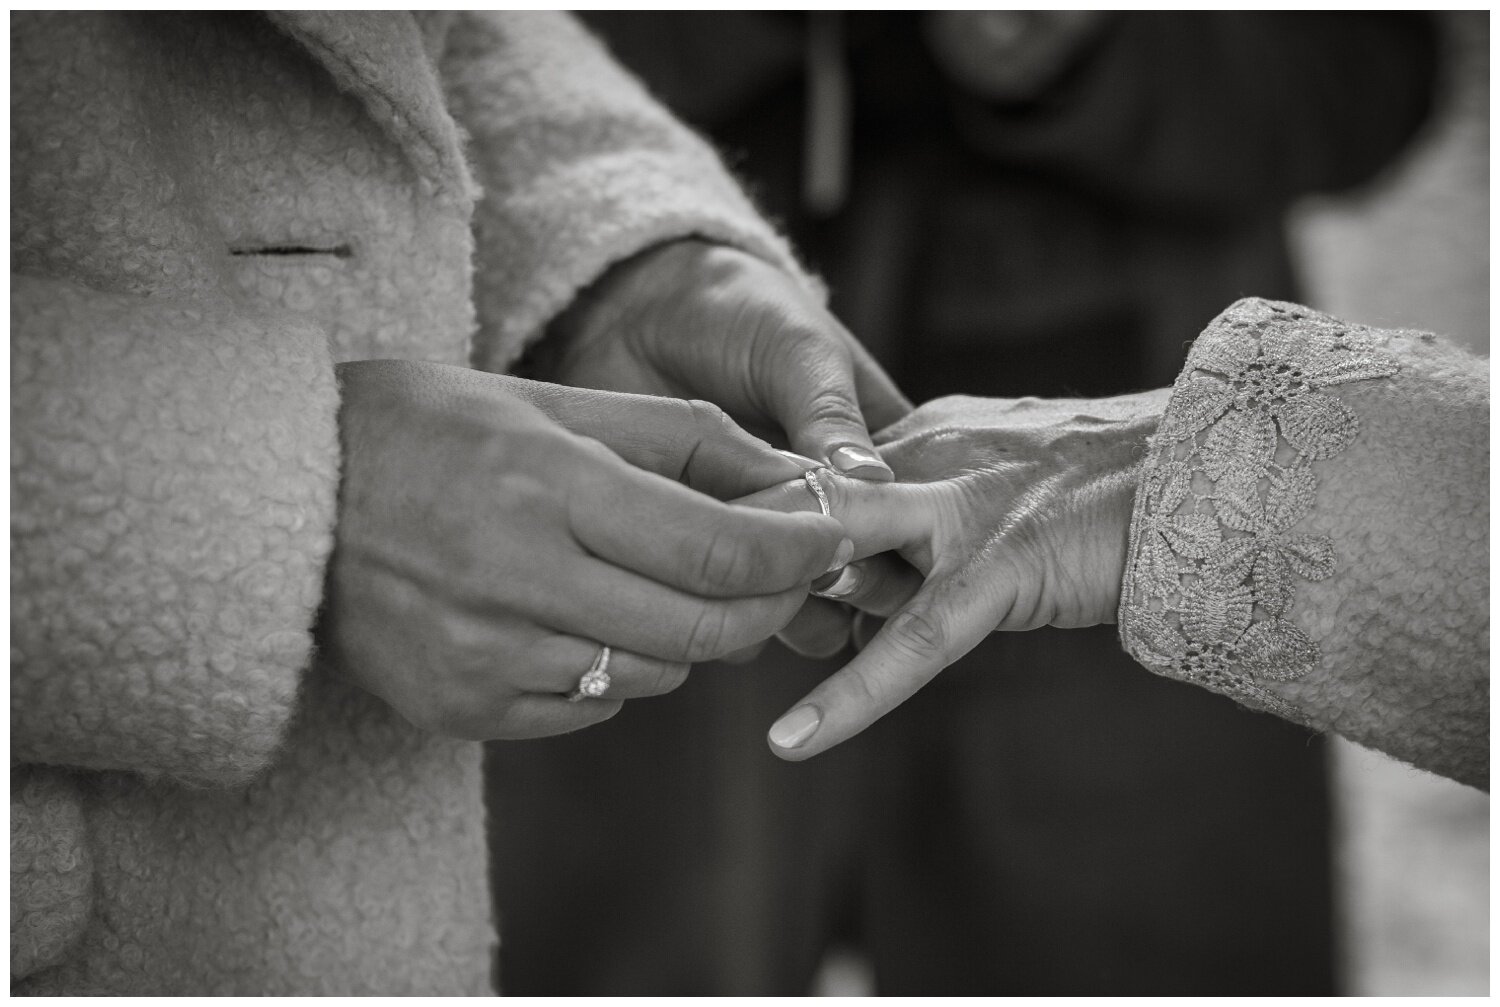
846, 582
860, 463
796, 727
807, 463
842, 557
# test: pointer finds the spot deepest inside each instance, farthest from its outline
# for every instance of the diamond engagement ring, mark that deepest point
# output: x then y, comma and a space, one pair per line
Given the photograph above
811, 478
595, 681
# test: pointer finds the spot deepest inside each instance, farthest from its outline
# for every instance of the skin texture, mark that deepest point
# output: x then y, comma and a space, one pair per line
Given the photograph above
1007, 514
697, 320
493, 532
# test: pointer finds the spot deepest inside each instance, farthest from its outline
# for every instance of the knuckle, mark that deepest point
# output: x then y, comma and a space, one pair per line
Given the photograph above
867, 696
921, 634
477, 656
705, 638
725, 563
834, 406
707, 416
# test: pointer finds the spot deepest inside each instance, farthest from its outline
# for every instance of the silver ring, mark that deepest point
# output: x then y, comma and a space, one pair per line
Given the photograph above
595, 681
811, 478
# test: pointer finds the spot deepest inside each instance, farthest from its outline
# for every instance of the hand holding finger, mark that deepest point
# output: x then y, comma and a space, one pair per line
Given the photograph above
470, 522
880, 584
876, 517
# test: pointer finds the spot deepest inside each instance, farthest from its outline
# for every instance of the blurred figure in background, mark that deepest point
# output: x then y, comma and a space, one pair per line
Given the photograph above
1002, 203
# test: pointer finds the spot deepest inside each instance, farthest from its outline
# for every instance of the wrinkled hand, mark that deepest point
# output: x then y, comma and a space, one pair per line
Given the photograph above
494, 532
1009, 514
696, 320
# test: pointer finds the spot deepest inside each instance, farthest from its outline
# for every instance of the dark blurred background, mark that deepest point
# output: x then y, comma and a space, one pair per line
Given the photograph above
1008, 203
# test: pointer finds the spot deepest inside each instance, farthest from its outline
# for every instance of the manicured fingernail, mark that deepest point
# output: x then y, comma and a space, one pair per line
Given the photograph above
860, 463
844, 584
807, 463
796, 727
842, 557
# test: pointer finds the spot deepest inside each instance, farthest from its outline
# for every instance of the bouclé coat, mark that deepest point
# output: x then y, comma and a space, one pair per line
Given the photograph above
209, 211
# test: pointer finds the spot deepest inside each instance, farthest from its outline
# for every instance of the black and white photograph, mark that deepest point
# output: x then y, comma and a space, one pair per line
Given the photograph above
763, 503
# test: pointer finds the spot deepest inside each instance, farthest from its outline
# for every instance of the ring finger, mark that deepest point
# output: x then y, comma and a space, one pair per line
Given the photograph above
557, 662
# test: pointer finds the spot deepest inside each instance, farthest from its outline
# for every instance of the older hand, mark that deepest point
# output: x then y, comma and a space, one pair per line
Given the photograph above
1010, 514
488, 544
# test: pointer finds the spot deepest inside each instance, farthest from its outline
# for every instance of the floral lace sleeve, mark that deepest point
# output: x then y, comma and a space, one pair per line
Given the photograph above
1311, 532
1214, 563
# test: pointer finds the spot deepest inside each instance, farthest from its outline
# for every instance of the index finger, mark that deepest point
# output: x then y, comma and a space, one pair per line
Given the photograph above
676, 536
814, 395
941, 623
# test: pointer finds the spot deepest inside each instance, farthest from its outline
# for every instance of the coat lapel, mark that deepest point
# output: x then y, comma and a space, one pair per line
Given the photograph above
381, 57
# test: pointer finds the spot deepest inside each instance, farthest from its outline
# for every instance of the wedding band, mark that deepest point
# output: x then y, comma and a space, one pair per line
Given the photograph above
595, 681
811, 478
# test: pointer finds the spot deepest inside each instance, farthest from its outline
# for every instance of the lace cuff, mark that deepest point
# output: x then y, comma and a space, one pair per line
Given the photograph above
1214, 563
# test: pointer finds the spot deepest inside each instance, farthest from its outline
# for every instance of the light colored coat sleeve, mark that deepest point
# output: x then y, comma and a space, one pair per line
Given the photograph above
580, 168
1311, 535
174, 468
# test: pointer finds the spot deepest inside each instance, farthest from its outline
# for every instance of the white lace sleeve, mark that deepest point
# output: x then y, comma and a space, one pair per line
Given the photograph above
1214, 564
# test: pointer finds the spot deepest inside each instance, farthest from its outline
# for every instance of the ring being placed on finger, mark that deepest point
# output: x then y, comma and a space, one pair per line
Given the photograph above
595, 681
811, 478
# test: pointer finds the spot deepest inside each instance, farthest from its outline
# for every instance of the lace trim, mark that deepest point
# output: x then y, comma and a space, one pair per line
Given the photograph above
1209, 580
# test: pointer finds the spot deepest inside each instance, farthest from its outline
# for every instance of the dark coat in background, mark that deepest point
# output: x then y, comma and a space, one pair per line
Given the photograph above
1043, 818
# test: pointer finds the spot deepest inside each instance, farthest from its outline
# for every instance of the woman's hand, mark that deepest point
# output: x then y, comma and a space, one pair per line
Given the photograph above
696, 320
1009, 514
494, 533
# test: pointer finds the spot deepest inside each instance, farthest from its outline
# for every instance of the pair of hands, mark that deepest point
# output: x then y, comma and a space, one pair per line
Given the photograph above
494, 532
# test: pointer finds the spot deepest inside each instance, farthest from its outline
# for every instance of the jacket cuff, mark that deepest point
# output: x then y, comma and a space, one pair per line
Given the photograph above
617, 206
580, 169
1218, 550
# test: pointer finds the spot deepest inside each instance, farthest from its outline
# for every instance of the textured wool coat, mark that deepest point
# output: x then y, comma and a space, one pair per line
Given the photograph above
208, 212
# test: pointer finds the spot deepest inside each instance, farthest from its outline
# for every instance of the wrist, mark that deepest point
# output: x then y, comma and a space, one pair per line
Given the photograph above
1124, 464
623, 292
